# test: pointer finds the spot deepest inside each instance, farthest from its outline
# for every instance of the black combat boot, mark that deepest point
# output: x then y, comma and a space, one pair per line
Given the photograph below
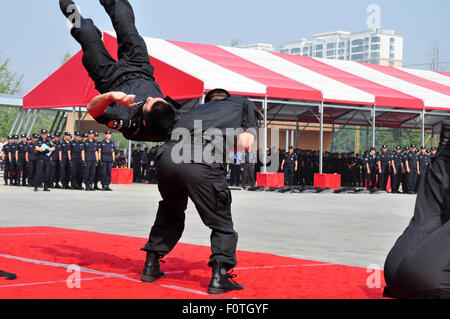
36, 188
222, 281
57, 186
46, 189
87, 187
96, 187
108, 189
151, 270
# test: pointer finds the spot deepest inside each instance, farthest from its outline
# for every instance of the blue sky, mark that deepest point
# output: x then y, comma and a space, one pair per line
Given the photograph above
33, 33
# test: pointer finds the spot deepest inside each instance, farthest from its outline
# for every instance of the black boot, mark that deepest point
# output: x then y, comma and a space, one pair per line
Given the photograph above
57, 186
36, 189
46, 189
96, 187
87, 187
6, 182
108, 189
222, 281
151, 270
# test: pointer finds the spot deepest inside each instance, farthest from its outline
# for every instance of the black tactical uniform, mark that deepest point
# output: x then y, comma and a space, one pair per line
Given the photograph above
383, 158
371, 179
32, 160
404, 172
66, 163
290, 159
411, 178
13, 164
7, 150
76, 175
42, 175
98, 168
90, 162
21, 169
55, 164
249, 169
107, 149
423, 164
396, 161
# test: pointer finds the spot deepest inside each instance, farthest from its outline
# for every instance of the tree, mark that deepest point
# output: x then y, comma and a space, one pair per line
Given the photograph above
10, 83
235, 42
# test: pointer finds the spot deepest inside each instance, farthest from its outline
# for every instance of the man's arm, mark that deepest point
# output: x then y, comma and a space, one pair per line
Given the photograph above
98, 105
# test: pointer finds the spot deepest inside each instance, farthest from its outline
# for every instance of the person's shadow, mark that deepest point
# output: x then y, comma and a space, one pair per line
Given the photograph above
175, 268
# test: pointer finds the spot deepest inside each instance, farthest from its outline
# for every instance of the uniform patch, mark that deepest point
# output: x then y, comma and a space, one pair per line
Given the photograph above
115, 125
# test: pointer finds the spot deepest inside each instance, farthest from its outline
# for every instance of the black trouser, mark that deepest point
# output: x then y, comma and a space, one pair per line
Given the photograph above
21, 171
419, 263
12, 170
54, 172
235, 175
89, 172
106, 172
76, 174
371, 179
137, 172
207, 187
31, 171
65, 171
132, 52
249, 175
98, 174
411, 180
7, 163
395, 180
289, 174
42, 175
404, 182
383, 178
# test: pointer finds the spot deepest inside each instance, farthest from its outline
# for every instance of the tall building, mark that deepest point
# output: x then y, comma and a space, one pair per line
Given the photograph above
382, 47
258, 46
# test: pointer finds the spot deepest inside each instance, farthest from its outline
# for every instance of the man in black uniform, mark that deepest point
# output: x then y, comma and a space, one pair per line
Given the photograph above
308, 168
21, 169
383, 159
56, 160
136, 164
249, 169
98, 168
44, 147
107, 157
289, 166
203, 181
31, 157
418, 264
370, 167
13, 164
122, 82
89, 156
76, 173
7, 159
412, 168
423, 159
66, 160
396, 171
404, 172
433, 152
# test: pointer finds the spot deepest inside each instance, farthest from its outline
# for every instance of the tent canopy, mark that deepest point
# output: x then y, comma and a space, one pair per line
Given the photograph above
186, 71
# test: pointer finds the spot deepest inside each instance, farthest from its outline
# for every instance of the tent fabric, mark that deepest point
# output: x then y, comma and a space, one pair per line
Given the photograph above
188, 70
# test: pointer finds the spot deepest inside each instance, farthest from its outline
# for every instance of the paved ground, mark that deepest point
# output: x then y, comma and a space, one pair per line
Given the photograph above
355, 230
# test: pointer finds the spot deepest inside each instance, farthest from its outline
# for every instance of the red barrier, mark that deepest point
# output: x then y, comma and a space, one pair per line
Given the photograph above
332, 181
270, 179
122, 176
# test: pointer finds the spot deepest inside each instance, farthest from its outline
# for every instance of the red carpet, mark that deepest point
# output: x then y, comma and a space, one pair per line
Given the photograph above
111, 267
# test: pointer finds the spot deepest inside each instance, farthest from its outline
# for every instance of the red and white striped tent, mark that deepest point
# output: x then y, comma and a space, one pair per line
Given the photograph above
286, 87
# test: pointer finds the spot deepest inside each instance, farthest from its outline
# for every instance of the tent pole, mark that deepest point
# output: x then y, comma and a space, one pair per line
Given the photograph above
400, 136
423, 127
321, 139
73, 121
296, 134
29, 116
129, 154
79, 119
374, 126
34, 122
22, 119
332, 137
265, 136
15, 121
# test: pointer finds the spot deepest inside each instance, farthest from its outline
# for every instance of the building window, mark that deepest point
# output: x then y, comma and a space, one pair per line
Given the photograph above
295, 50
305, 49
391, 56
331, 45
341, 51
375, 47
375, 55
319, 54
284, 51
357, 49
374, 61
331, 52
319, 47
392, 40
357, 56
341, 45
357, 42
391, 63
376, 39
392, 48
341, 58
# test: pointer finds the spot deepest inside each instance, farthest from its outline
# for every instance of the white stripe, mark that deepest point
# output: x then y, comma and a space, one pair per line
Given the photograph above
330, 88
28, 234
429, 75
430, 98
51, 282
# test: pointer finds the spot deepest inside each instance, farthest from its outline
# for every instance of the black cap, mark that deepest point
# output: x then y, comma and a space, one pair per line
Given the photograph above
10, 137
23, 135
85, 135
57, 134
77, 133
108, 132
28, 138
428, 151
35, 136
44, 132
372, 149
95, 133
210, 94
413, 145
433, 148
16, 137
384, 146
90, 132
67, 134
406, 148
291, 147
50, 136
398, 148
423, 147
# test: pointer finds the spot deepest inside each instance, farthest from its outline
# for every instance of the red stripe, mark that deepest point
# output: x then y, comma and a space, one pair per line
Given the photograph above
411, 78
445, 73
385, 96
278, 86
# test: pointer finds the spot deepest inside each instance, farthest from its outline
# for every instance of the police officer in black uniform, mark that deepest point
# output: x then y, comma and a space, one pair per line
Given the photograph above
90, 160
371, 168
56, 160
31, 157
412, 168
396, 169
7, 159
98, 168
383, 159
289, 166
76, 173
423, 159
13, 164
66, 160
107, 154
44, 147
21, 169
249, 169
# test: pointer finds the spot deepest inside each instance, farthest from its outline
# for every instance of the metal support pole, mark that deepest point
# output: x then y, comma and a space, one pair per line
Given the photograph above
321, 139
400, 136
265, 136
423, 127
73, 121
58, 126
22, 119
332, 137
129, 154
29, 116
54, 122
292, 138
36, 116
374, 119
15, 122
79, 119
296, 134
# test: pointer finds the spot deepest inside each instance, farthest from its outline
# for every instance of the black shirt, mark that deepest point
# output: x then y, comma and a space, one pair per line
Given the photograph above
107, 149
397, 159
371, 160
412, 159
290, 159
76, 148
129, 121
7, 149
22, 148
383, 158
65, 148
44, 155
90, 148
31, 150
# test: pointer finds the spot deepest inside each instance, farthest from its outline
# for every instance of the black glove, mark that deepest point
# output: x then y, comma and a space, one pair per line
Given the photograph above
28, 164
99, 163
83, 163
70, 163
61, 164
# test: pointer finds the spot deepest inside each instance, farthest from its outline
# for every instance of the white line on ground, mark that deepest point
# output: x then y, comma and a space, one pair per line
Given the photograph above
32, 234
51, 282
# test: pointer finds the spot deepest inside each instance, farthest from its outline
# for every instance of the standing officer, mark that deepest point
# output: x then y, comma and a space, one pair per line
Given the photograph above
136, 163
423, 159
107, 154
31, 157
44, 147
397, 168
412, 169
89, 156
98, 168
433, 152
383, 160
7, 159
56, 160
289, 165
370, 167
13, 163
404, 173
249, 168
66, 160
21, 169
76, 173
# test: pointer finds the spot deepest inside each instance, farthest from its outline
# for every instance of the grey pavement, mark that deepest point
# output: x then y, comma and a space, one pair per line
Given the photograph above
349, 229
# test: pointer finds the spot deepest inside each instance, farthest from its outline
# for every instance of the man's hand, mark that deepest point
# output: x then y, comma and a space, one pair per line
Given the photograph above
123, 99
98, 105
